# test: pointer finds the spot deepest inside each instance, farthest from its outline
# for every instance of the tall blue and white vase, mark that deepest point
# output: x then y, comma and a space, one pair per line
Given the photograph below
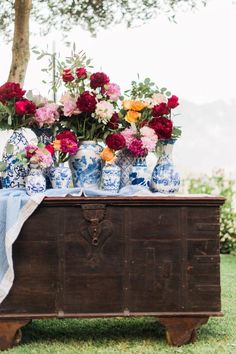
125, 160
35, 181
140, 174
86, 165
14, 174
60, 176
110, 180
165, 179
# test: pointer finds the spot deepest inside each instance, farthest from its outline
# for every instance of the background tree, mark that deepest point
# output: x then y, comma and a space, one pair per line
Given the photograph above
63, 15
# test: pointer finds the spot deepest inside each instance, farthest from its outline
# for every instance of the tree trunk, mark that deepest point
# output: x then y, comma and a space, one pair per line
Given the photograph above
20, 47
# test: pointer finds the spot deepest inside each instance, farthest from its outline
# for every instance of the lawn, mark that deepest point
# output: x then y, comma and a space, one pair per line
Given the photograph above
136, 336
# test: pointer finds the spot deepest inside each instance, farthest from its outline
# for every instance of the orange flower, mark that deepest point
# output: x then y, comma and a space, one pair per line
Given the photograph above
137, 105
132, 116
127, 104
107, 155
57, 145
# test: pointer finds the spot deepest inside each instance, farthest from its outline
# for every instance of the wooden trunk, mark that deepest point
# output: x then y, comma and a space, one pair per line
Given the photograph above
92, 257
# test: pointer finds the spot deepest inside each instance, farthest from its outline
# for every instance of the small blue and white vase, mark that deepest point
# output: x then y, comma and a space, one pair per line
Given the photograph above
165, 179
140, 174
35, 181
110, 180
60, 176
14, 175
125, 160
86, 165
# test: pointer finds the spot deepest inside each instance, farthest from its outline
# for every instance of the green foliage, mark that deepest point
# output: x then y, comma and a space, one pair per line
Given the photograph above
219, 185
91, 14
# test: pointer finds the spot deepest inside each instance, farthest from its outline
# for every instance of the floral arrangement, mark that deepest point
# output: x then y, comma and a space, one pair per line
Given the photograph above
35, 156
152, 107
63, 146
90, 101
15, 109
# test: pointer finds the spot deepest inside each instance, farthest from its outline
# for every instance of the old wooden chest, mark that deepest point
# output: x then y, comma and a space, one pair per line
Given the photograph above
87, 257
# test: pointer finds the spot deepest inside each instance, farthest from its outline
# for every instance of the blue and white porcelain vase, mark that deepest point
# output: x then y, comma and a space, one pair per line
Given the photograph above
35, 181
140, 174
125, 160
15, 173
165, 179
110, 180
60, 176
86, 165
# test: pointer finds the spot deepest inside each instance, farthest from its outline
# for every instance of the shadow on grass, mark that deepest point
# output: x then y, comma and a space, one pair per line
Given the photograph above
93, 330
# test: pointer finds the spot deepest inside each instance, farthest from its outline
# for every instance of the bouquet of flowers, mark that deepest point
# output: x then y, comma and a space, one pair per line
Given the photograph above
90, 102
15, 109
35, 156
152, 107
63, 146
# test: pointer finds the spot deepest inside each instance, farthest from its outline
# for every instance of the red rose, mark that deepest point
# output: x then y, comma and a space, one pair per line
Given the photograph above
98, 80
162, 126
67, 75
67, 134
115, 141
25, 107
81, 73
160, 110
173, 101
11, 90
86, 102
114, 121
50, 148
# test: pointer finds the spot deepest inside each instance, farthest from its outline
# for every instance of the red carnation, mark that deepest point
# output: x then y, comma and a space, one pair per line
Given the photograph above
173, 101
11, 90
86, 102
98, 80
160, 110
67, 134
25, 107
114, 121
115, 141
50, 148
162, 126
81, 73
67, 75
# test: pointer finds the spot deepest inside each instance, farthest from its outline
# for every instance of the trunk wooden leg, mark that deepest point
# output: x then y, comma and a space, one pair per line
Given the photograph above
181, 330
10, 333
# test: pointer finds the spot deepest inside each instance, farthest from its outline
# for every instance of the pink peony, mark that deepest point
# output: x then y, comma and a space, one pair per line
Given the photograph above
149, 138
137, 149
112, 91
46, 115
128, 134
70, 107
69, 146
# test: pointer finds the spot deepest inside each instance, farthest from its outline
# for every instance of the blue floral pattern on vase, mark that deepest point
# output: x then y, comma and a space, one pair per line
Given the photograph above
125, 160
60, 176
140, 174
14, 174
110, 180
35, 182
86, 165
165, 179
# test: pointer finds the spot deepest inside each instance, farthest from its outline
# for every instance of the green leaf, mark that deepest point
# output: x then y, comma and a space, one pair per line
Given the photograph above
168, 93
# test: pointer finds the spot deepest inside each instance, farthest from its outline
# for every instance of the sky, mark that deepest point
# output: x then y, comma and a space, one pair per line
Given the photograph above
194, 58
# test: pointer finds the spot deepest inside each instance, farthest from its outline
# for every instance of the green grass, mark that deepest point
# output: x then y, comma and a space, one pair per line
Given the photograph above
134, 336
